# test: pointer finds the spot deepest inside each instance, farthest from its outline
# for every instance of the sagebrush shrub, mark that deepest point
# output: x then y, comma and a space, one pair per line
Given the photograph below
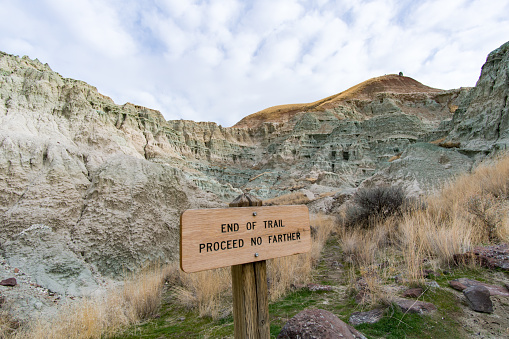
375, 204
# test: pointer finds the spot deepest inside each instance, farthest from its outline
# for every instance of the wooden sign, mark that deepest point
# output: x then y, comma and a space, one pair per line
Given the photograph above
219, 237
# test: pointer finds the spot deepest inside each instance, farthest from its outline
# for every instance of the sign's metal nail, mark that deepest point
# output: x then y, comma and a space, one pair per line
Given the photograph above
254, 213
256, 255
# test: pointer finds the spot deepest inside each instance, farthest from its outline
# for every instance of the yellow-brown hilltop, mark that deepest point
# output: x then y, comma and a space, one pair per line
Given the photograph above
391, 83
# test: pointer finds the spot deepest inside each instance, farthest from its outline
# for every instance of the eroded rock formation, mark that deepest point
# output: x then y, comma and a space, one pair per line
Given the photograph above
108, 182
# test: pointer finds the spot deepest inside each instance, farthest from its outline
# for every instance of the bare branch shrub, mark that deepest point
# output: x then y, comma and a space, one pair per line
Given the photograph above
374, 204
487, 211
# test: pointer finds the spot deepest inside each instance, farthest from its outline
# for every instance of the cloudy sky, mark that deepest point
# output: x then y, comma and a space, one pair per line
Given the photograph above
220, 60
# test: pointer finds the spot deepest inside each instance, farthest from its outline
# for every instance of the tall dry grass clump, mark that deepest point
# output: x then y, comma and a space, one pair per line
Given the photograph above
414, 235
322, 226
104, 315
207, 291
427, 233
283, 272
8, 326
471, 210
478, 200
294, 198
369, 223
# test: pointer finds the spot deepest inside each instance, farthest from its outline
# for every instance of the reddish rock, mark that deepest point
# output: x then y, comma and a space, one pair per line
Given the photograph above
412, 293
16, 270
457, 285
496, 256
8, 282
478, 298
317, 324
297, 286
463, 283
362, 297
415, 306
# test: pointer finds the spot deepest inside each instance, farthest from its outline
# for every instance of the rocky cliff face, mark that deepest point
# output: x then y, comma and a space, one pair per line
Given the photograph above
479, 128
105, 179
481, 123
330, 144
106, 183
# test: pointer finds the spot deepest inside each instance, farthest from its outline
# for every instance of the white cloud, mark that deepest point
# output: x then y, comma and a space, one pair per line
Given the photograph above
221, 60
94, 24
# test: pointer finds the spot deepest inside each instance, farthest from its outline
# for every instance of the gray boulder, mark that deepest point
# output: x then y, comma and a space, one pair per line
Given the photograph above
369, 317
478, 299
415, 306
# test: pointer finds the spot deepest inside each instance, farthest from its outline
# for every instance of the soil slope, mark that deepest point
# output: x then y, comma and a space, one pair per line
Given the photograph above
367, 90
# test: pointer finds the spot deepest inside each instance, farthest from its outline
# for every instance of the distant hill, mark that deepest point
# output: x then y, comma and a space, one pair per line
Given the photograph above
391, 83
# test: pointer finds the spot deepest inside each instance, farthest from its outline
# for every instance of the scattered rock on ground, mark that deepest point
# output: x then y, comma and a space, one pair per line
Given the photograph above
463, 283
318, 323
412, 293
496, 256
8, 282
478, 298
432, 284
429, 273
415, 306
457, 285
369, 317
362, 297
317, 287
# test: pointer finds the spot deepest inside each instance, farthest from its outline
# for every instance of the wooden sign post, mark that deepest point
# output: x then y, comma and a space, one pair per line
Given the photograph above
244, 237
250, 291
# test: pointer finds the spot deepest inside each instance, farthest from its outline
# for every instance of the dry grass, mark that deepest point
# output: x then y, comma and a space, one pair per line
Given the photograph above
365, 90
292, 270
450, 144
257, 176
472, 210
477, 201
208, 291
8, 326
395, 157
452, 108
445, 144
104, 315
286, 271
438, 141
294, 198
359, 246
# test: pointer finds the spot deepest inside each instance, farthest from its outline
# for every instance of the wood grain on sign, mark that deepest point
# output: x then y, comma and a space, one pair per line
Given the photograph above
219, 237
